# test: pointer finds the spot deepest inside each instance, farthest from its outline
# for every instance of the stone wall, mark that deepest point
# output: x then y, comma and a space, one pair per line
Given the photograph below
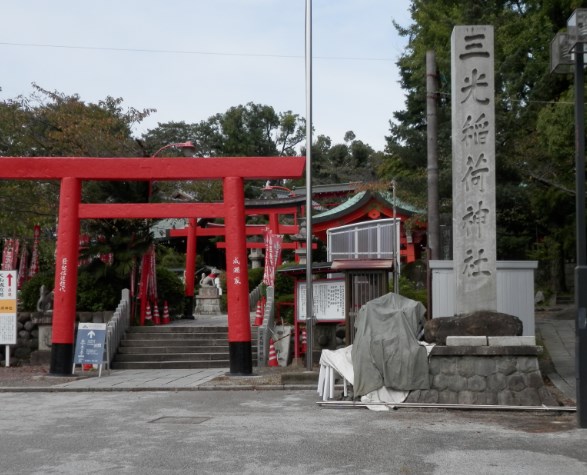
28, 333
485, 375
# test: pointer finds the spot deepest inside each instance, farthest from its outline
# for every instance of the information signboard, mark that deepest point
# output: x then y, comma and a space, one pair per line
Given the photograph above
328, 297
89, 344
8, 294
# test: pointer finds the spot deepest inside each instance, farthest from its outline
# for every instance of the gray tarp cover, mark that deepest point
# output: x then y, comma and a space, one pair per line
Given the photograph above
385, 350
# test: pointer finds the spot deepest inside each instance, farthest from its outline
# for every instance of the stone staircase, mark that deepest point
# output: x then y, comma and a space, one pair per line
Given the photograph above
174, 347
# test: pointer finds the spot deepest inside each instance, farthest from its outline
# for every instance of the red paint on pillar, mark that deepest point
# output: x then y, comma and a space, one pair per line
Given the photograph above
190, 258
237, 276
66, 261
274, 223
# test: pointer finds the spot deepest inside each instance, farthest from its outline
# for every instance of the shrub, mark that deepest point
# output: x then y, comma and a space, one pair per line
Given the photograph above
29, 293
170, 289
96, 293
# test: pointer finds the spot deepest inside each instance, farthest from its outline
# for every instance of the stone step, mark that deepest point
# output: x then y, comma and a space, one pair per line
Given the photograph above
133, 350
171, 364
174, 343
177, 329
156, 357
175, 336
175, 347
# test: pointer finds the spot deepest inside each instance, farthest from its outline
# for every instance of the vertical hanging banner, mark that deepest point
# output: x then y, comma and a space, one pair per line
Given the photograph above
8, 283
22, 266
473, 168
10, 254
34, 266
272, 256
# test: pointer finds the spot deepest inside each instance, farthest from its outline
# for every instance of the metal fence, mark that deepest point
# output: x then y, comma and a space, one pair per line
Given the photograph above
378, 239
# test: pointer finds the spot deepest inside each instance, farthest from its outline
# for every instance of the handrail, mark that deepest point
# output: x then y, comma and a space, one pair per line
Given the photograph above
118, 325
255, 296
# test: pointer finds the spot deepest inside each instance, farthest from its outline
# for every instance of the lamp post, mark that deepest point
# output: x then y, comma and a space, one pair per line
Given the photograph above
567, 50
187, 147
310, 320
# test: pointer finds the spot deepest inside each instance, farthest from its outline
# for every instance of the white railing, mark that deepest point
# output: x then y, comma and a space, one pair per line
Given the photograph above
118, 325
378, 239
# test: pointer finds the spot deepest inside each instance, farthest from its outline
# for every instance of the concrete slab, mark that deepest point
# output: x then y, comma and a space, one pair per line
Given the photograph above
511, 341
466, 341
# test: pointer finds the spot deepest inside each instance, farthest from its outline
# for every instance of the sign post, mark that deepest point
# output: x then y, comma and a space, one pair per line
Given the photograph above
8, 284
90, 345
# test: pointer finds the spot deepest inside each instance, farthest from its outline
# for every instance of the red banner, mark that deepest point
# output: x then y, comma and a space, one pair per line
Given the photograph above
272, 256
10, 253
22, 266
34, 267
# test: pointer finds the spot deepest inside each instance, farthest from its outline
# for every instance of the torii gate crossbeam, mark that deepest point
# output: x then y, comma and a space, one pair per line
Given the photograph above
71, 171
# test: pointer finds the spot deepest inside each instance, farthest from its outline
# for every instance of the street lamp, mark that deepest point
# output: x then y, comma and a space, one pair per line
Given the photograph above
188, 149
567, 49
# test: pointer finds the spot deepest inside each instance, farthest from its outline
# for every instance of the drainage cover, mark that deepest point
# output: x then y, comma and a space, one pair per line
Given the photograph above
179, 420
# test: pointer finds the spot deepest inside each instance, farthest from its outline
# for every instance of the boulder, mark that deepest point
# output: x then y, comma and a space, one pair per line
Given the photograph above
480, 323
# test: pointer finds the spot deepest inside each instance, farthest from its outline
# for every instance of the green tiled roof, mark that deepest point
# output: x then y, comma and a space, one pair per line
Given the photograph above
385, 195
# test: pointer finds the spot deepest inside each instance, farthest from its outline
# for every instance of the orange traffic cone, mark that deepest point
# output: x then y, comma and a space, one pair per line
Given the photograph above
259, 314
156, 317
148, 316
166, 318
304, 341
272, 354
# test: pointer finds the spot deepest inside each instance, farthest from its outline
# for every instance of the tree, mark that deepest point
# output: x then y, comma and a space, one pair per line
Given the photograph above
55, 124
247, 131
533, 125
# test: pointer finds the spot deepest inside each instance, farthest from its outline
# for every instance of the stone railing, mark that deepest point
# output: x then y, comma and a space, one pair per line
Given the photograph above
118, 325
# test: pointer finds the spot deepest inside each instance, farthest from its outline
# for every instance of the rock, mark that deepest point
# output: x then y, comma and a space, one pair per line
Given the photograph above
480, 323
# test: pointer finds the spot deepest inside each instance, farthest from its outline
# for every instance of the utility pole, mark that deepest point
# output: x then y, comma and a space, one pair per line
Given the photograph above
432, 139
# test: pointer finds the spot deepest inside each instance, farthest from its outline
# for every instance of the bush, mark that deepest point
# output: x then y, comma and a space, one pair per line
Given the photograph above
255, 277
170, 288
411, 290
96, 293
30, 291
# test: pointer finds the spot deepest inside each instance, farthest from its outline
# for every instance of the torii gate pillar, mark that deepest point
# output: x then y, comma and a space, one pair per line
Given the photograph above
62, 347
190, 269
237, 279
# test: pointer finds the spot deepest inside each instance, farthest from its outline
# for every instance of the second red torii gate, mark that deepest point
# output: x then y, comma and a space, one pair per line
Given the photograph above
272, 211
71, 171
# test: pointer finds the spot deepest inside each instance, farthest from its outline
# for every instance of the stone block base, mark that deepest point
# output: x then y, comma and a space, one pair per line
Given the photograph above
207, 306
476, 375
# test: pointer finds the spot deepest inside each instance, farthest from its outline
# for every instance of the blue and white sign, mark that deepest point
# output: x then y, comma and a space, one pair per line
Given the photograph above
90, 343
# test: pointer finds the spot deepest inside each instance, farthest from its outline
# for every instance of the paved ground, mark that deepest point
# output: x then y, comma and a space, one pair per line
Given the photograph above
555, 327
273, 432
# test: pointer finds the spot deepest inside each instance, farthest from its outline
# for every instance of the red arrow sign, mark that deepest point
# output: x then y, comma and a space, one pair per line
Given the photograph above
9, 277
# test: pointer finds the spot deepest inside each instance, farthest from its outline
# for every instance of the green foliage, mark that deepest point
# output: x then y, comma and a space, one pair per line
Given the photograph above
170, 289
284, 284
170, 258
412, 290
30, 290
534, 118
255, 277
97, 293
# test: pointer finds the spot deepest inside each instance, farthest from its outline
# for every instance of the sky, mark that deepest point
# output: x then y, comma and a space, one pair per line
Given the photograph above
191, 59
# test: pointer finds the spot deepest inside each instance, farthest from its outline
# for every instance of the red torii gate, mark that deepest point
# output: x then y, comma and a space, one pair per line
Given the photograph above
71, 171
273, 212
